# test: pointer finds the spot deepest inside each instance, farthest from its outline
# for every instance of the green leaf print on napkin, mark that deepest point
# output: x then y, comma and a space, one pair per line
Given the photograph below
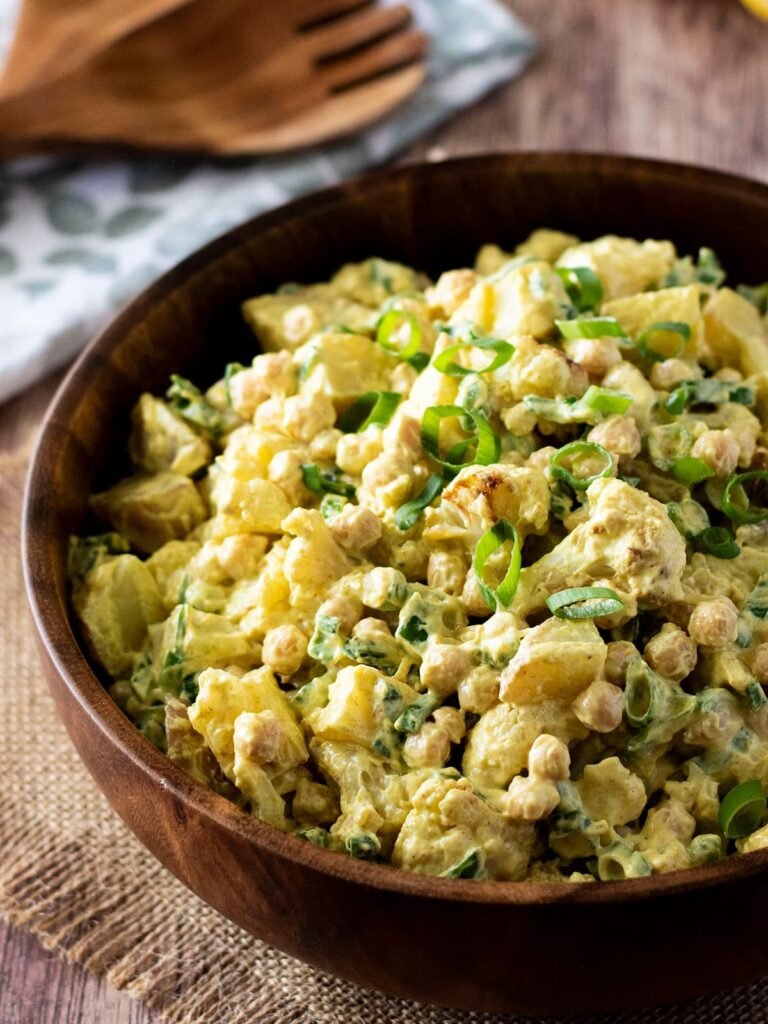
156, 175
92, 262
130, 219
71, 213
8, 261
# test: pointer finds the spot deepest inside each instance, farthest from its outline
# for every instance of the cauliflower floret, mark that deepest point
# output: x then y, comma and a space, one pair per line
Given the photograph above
539, 370
449, 825
624, 265
313, 560
485, 494
628, 539
610, 792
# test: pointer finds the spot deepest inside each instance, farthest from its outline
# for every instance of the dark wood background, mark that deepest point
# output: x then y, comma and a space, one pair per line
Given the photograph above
679, 79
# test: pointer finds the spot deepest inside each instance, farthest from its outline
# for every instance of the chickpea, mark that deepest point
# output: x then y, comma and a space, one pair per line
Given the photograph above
619, 655
479, 690
619, 435
323, 446
346, 609
284, 649
306, 415
385, 588
430, 747
239, 555
549, 758
446, 572
727, 373
596, 355
719, 449
355, 451
258, 736
714, 623
531, 799
472, 598
671, 653
666, 375
540, 459
269, 415
600, 706
299, 323
355, 528
285, 470
443, 668
315, 803
518, 420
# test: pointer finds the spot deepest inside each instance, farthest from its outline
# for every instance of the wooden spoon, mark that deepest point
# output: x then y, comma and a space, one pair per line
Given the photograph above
235, 76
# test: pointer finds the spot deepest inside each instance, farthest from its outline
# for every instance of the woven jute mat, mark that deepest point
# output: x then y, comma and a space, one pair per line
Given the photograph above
72, 874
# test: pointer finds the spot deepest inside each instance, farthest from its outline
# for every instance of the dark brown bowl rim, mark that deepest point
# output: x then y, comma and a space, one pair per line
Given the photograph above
56, 634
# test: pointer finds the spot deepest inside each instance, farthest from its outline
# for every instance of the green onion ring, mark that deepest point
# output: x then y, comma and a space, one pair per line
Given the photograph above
643, 346
741, 810
584, 287
408, 514
579, 448
446, 364
591, 327
387, 326
734, 491
324, 483
689, 470
605, 400
488, 444
490, 542
371, 408
566, 604
717, 541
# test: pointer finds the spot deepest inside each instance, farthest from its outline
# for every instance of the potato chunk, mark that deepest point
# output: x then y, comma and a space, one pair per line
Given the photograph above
342, 366
735, 334
160, 440
555, 661
116, 603
151, 510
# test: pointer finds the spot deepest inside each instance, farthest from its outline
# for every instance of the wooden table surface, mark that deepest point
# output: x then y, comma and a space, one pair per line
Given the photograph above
680, 79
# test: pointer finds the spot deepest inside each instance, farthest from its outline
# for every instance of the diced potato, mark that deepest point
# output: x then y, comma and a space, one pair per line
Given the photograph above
555, 661
525, 300
343, 366
187, 749
545, 244
116, 603
195, 640
354, 712
289, 319
624, 265
167, 565
258, 505
637, 312
151, 510
735, 334
375, 280
223, 697
313, 560
160, 440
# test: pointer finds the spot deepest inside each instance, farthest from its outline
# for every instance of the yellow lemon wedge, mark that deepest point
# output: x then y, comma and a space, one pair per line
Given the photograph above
758, 7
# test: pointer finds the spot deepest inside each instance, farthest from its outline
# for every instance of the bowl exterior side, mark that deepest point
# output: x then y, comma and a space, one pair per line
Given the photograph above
481, 946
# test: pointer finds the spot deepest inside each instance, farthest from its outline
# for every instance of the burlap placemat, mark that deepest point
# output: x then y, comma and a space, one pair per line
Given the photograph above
71, 873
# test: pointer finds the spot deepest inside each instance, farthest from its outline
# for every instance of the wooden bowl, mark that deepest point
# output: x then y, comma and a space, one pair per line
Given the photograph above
525, 947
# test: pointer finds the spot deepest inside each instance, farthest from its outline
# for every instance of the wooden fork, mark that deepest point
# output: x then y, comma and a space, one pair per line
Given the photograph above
234, 76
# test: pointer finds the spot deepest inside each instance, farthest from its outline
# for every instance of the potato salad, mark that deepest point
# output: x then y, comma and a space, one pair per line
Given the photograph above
465, 576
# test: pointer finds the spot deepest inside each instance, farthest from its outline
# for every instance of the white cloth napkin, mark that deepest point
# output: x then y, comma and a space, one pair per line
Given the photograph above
80, 238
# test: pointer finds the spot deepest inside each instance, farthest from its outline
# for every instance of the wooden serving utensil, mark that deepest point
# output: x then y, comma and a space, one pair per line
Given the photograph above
237, 76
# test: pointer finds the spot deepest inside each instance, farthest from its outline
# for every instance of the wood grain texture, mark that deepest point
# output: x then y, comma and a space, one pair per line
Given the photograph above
682, 79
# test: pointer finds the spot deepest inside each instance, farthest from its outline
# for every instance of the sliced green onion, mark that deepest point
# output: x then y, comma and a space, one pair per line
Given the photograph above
487, 444
605, 400
390, 324
667, 443
577, 450
331, 505
229, 372
470, 866
591, 327
709, 269
418, 361
584, 287
408, 514
742, 809
717, 541
567, 604
689, 517
757, 295
644, 339
736, 503
372, 408
323, 482
363, 845
690, 470
446, 364
490, 542
755, 694
708, 392
416, 714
